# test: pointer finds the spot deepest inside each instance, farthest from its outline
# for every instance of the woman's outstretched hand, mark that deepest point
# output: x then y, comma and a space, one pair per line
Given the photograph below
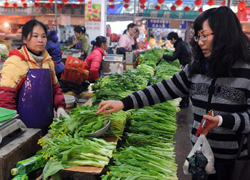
110, 106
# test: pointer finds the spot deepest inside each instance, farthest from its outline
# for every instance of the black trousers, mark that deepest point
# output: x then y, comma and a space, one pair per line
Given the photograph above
223, 170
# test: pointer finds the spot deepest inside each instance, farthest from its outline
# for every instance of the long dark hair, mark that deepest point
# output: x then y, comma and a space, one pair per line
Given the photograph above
29, 26
230, 44
98, 41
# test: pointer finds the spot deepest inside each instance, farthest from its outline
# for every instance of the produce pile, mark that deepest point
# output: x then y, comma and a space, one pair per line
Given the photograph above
67, 151
147, 148
147, 151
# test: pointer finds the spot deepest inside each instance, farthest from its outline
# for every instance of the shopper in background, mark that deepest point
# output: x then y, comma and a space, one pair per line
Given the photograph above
53, 48
94, 60
82, 41
183, 53
218, 79
126, 41
152, 41
29, 82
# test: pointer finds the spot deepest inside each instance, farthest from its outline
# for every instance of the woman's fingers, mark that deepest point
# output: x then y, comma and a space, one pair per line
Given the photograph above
110, 106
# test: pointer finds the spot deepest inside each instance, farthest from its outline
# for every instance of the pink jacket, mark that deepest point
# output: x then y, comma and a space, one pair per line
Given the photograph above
126, 41
94, 62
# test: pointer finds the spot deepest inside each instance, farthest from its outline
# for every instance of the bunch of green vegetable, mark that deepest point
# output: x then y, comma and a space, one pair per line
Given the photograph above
144, 163
66, 152
83, 121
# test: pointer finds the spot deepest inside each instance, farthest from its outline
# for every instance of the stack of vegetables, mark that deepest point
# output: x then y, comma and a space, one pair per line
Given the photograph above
117, 86
148, 151
148, 148
66, 144
149, 139
67, 151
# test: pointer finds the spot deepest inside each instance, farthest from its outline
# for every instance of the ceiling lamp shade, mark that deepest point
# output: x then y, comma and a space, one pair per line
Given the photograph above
200, 9
198, 2
157, 7
210, 2
173, 8
142, 6
126, 1
47, 6
223, 3
111, 6
22, 1
142, 1
15, 5
186, 9
25, 5
178, 2
160, 1
126, 6
242, 5
6, 4
65, 1
51, 1
73, 5
60, 6
36, 4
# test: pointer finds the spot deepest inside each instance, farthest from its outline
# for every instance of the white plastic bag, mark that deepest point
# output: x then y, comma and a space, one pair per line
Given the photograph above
207, 152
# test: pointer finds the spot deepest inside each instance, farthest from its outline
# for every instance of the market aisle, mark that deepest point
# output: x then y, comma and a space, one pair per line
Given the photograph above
182, 138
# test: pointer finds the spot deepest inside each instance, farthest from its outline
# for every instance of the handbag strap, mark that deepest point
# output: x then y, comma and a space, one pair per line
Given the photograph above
241, 144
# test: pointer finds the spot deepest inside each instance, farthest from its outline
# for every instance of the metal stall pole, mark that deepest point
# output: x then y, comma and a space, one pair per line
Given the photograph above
134, 10
56, 14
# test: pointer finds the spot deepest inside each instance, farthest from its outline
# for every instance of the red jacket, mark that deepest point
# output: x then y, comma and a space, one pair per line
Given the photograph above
94, 62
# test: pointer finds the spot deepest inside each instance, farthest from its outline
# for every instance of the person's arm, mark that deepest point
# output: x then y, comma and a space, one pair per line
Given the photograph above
177, 86
175, 55
59, 100
95, 65
8, 98
12, 75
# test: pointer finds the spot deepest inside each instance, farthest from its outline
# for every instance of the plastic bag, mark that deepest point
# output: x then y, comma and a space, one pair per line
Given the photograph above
207, 152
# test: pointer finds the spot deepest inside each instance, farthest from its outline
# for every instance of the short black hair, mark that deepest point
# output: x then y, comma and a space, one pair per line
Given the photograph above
80, 29
131, 25
172, 35
29, 26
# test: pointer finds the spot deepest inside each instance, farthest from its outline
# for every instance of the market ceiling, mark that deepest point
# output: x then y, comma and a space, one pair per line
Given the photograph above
186, 2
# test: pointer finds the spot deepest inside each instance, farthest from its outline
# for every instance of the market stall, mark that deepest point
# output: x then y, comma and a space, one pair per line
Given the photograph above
75, 129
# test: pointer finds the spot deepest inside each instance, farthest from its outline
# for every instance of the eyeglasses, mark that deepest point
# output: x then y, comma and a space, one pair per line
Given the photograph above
202, 37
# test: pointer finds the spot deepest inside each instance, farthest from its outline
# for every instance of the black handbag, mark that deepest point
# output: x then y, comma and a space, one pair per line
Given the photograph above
241, 167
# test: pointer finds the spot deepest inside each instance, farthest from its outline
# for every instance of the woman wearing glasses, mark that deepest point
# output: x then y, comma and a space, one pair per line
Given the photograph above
218, 79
